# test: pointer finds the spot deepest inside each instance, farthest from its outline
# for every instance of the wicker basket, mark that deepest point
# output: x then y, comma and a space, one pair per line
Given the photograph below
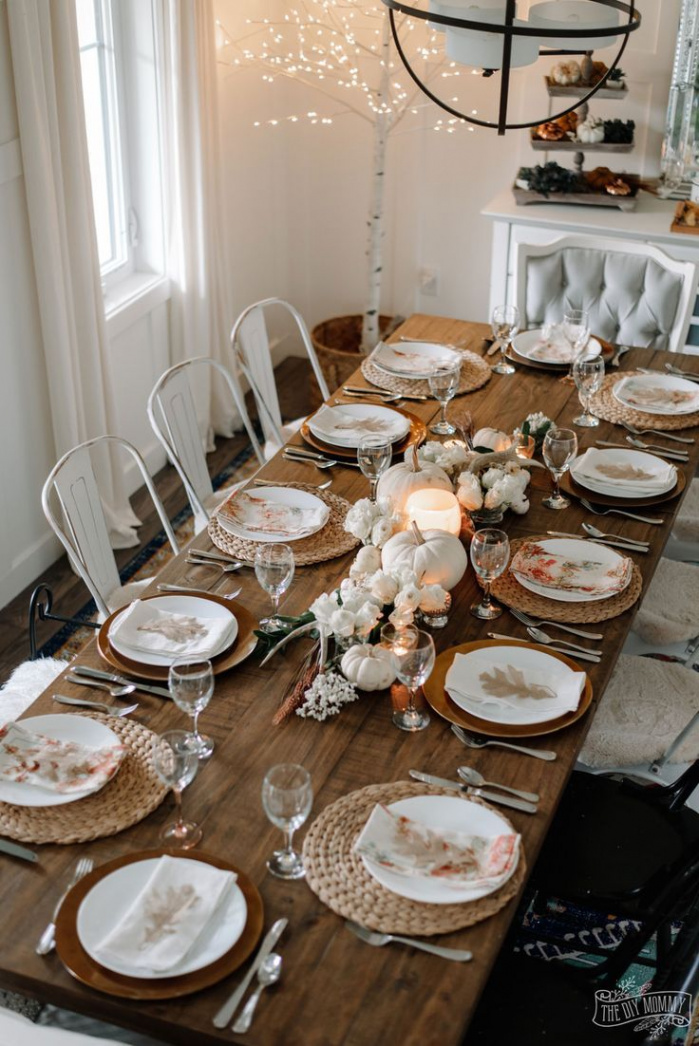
337, 342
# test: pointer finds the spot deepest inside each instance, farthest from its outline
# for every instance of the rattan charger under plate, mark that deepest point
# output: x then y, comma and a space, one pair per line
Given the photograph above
475, 372
333, 540
604, 404
339, 878
133, 793
507, 589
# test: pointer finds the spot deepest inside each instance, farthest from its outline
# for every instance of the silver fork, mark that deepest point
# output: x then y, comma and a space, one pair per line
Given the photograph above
671, 455
655, 432
276, 483
47, 940
225, 568
673, 452
678, 372
379, 939
326, 463
618, 512
620, 351
192, 590
473, 741
535, 623
97, 706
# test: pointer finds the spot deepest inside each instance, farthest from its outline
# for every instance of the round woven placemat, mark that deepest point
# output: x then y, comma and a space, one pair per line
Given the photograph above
604, 404
333, 540
338, 876
508, 590
475, 372
131, 795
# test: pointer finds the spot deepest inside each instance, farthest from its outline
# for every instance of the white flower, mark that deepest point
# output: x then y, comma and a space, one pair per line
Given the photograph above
447, 456
342, 623
381, 531
432, 597
360, 519
326, 695
537, 421
324, 607
401, 616
521, 506
408, 598
383, 586
367, 617
469, 492
371, 522
490, 477
502, 493
367, 561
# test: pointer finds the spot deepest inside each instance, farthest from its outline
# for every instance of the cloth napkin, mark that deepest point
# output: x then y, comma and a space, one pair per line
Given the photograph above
144, 628
646, 393
601, 466
167, 916
489, 681
556, 571
56, 766
342, 426
256, 512
556, 347
402, 360
458, 859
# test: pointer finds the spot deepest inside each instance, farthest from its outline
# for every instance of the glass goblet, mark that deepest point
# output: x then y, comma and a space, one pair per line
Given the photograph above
576, 330
490, 554
176, 765
505, 324
274, 569
373, 457
588, 375
559, 449
191, 684
413, 658
287, 797
444, 383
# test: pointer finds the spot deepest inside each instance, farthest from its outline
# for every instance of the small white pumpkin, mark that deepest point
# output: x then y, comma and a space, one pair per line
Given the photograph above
401, 480
493, 439
591, 131
368, 667
438, 558
566, 73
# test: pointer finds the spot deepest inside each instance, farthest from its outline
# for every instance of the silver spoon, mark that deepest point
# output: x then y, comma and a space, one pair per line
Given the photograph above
547, 640
97, 706
229, 568
472, 777
473, 741
655, 432
275, 483
656, 446
115, 691
595, 532
268, 973
193, 591
618, 512
325, 464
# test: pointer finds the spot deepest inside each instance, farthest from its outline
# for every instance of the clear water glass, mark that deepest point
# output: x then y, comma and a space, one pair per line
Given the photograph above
490, 554
413, 658
191, 684
444, 384
287, 797
588, 375
373, 457
274, 570
505, 324
559, 449
176, 765
576, 330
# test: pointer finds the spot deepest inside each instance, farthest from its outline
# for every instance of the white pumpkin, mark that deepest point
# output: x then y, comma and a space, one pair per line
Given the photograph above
591, 130
368, 667
436, 557
493, 439
566, 73
401, 480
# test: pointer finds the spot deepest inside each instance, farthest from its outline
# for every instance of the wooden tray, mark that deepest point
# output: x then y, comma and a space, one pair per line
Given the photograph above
569, 145
523, 197
416, 434
580, 90
569, 485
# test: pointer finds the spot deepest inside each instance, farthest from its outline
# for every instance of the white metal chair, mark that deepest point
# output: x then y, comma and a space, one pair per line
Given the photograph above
634, 292
252, 355
172, 414
71, 503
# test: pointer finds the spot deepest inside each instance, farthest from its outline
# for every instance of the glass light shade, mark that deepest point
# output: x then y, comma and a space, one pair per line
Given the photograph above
574, 14
458, 9
435, 510
484, 50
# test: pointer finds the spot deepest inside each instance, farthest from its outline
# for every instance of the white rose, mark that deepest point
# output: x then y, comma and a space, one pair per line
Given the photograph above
401, 616
324, 607
367, 561
381, 532
342, 623
490, 477
367, 617
408, 598
469, 493
433, 597
520, 506
383, 586
405, 575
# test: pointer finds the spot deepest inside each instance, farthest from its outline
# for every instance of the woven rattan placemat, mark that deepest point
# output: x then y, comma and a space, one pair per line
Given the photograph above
475, 372
507, 589
338, 876
131, 795
333, 540
604, 404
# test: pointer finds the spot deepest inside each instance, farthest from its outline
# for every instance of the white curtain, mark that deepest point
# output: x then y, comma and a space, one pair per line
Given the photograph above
48, 87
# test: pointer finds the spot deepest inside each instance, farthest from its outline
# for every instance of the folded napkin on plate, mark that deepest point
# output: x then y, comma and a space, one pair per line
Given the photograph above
145, 628
556, 346
457, 858
640, 392
256, 512
587, 576
601, 466
492, 682
56, 766
167, 916
407, 362
335, 423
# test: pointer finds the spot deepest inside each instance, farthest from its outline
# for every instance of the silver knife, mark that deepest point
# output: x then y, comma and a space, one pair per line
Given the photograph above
228, 1009
110, 677
671, 455
384, 392
601, 541
574, 654
14, 850
491, 797
291, 454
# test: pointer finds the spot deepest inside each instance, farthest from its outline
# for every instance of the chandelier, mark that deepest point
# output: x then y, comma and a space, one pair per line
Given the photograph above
488, 35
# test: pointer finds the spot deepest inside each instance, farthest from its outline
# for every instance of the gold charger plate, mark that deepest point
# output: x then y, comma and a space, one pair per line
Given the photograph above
570, 486
416, 434
85, 969
242, 646
439, 700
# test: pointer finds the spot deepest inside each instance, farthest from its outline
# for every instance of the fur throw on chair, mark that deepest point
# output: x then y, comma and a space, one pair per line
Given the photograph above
669, 612
26, 683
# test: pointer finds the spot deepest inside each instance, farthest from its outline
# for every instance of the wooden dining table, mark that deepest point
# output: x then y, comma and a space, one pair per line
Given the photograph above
334, 988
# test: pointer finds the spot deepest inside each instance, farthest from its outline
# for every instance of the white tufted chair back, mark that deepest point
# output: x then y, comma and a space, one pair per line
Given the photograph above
635, 294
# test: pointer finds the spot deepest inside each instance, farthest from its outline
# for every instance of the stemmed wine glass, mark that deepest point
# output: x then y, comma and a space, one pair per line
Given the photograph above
287, 797
505, 324
560, 447
444, 384
576, 330
588, 374
413, 657
191, 684
176, 765
490, 554
274, 569
373, 457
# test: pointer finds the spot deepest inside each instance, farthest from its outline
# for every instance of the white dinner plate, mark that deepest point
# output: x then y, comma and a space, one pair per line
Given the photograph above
111, 897
581, 551
281, 496
175, 603
624, 392
361, 413
446, 813
526, 342
413, 359
66, 727
636, 458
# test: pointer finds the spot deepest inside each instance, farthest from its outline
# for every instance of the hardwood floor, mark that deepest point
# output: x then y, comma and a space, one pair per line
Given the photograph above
69, 591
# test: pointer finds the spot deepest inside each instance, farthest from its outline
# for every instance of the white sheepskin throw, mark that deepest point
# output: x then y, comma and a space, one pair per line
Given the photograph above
26, 683
669, 612
642, 711
686, 526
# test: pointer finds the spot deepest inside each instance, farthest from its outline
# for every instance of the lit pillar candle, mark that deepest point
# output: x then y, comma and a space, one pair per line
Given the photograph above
435, 510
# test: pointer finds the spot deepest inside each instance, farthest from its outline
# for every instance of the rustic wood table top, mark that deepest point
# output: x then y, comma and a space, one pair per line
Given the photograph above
334, 988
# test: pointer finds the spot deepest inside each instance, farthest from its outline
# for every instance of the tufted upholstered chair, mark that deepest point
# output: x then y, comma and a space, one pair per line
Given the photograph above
635, 293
